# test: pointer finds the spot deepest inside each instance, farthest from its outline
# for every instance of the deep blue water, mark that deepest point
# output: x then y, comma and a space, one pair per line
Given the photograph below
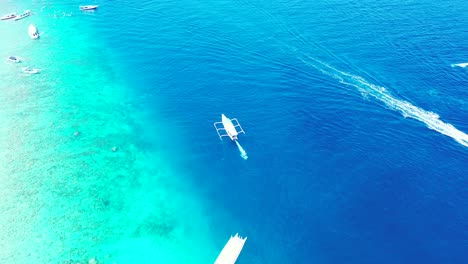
334, 175
346, 162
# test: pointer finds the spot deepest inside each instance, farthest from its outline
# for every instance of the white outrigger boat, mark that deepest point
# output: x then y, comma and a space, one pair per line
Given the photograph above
33, 33
30, 70
231, 130
23, 15
8, 16
88, 7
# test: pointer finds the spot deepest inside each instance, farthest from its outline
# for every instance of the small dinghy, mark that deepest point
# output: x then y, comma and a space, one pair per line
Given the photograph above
30, 70
88, 7
33, 33
23, 15
13, 59
9, 16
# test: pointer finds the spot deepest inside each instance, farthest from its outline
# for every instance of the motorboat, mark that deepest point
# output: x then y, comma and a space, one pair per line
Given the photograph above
30, 70
8, 16
23, 15
14, 59
88, 7
33, 33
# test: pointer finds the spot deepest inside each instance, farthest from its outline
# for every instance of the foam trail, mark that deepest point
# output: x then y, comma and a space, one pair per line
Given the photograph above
407, 109
463, 65
242, 151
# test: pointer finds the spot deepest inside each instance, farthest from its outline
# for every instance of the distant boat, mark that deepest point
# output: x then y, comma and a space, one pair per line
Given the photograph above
13, 59
8, 16
33, 33
30, 70
463, 65
23, 15
88, 7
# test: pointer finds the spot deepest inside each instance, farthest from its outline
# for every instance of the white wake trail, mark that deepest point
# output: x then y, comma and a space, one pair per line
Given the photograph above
407, 109
242, 151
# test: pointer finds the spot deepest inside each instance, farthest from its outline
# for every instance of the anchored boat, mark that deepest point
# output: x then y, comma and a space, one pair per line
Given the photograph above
13, 59
30, 70
88, 7
33, 33
8, 16
23, 15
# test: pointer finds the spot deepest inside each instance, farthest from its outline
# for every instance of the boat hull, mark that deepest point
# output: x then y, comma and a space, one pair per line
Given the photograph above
87, 8
13, 59
229, 127
25, 14
30, 71
9, 16
33, 33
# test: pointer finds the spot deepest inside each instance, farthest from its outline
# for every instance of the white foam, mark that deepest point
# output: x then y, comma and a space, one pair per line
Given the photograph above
463, 65
242, 151
431, 119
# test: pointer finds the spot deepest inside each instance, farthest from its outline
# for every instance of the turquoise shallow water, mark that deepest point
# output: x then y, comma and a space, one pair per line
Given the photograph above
355, 130
68, 196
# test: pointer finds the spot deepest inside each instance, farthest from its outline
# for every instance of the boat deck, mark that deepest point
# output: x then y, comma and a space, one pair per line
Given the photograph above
231, 250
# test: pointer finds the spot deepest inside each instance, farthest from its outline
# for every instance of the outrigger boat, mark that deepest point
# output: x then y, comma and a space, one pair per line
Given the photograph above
8, 16
229, 128
33, 33
88, 7
23, 15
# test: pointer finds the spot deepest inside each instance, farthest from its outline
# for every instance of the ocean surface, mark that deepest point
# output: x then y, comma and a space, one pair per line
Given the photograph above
355, 119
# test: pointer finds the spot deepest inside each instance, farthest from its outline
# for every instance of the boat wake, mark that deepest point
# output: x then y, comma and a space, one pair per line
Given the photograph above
367, 89
241, 150
430, 119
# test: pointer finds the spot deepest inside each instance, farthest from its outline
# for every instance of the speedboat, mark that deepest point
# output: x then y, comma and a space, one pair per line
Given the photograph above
30, 70
33, 33
23, 15
88, 7
8, 16
14, 59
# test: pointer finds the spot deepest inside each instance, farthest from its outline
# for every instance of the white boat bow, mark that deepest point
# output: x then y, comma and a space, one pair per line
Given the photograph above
33, 33
8, 16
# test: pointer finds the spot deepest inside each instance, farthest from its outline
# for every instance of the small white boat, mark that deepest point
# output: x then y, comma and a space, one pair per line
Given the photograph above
231, 250
30, 70
33, 33
23, 15
8, 16
229, 128
88, 7
14, 59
